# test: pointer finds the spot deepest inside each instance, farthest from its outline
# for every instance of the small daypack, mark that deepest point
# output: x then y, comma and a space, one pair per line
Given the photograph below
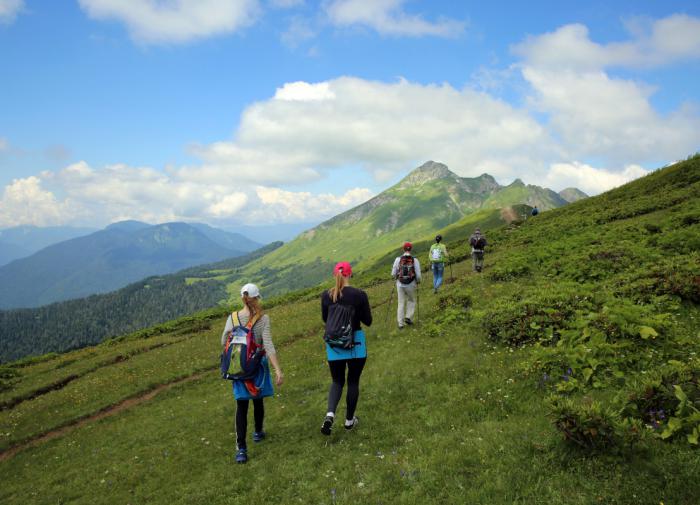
436, 253
407, 269
478, 243
339, 332
251, 355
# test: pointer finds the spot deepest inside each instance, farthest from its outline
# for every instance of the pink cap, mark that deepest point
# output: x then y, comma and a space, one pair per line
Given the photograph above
344, 268
407, 246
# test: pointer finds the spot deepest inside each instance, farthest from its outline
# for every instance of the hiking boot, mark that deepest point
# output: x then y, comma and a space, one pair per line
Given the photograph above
352, 424
401, 327
408, 321
258, 436
242, 456
327, 425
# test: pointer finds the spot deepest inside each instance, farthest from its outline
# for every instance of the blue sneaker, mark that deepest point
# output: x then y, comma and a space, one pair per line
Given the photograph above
258, 436
242, 456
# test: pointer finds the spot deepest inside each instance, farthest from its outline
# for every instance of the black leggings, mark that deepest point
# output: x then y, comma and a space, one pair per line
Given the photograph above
337, 367
242, 419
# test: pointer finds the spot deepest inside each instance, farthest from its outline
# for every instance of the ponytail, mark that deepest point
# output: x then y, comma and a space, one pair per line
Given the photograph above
253, 305
336, 292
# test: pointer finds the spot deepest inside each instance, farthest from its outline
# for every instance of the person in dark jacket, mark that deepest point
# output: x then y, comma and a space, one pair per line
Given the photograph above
478, 243
341, 359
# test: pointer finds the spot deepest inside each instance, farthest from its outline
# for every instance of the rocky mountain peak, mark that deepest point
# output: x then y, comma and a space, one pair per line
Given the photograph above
428, 171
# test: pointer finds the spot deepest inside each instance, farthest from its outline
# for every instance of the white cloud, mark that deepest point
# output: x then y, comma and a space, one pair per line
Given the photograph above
307, 129
661, 42
9, 10
24, 201
117, 192
4, 144
305, 206
589, 179
388, 18
175, 21
597, 115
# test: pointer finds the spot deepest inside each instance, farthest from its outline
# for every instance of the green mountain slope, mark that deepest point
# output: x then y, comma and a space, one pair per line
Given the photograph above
427, 200
566, 373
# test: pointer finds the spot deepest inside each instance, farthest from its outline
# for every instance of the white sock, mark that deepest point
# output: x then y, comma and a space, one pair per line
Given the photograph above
330, 414
349, 422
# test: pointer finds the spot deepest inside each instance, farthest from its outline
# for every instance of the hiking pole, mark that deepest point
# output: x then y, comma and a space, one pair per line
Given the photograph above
417, 303
452, 279
391, 297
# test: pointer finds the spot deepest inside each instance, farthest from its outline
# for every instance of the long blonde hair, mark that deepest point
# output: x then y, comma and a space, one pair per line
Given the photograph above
336, 292
253, 305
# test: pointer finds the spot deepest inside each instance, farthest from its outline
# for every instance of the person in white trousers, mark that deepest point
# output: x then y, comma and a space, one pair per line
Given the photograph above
406, 271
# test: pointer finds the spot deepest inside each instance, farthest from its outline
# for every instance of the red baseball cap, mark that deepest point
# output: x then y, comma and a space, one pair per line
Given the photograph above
344, 268
407, 246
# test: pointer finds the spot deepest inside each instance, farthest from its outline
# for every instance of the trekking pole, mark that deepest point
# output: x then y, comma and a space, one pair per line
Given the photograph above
452, 279
417, 303
391, 297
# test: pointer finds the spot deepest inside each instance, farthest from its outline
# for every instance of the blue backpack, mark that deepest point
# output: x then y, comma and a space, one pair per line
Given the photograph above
251, 355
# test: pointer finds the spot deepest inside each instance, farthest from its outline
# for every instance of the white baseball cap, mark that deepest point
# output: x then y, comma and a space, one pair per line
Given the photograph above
252, 290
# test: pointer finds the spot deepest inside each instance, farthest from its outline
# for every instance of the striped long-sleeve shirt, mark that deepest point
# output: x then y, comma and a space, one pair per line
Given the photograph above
261, 331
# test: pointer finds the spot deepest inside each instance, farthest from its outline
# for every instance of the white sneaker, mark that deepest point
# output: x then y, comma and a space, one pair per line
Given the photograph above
352, 424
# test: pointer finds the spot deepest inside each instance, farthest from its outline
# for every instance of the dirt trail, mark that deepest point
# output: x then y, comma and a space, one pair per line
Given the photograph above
106, 412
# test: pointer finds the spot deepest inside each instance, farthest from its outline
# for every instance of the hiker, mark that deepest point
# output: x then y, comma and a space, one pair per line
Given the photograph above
437, 256
345, 300
406, 271
478, 242
261, 387
534, 211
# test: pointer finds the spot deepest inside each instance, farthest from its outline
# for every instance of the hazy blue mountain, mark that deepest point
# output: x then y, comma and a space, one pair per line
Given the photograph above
230, 240
107, 260
22, 241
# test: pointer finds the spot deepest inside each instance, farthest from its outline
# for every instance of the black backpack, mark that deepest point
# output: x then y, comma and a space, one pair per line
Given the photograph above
339, 332
407, 270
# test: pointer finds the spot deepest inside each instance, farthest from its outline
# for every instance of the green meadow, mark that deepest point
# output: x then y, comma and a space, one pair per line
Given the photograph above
568, 372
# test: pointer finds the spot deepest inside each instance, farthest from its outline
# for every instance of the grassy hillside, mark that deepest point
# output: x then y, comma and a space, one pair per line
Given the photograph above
427, 200
566, 373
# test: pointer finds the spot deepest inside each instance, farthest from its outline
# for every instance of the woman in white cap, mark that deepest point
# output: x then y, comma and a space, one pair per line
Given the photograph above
244, 391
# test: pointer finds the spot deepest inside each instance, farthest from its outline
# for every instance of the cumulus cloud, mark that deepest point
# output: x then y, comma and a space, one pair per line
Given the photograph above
598, 115
175, 21
4, 144
589, 179
389, 18
25, 201
82, 194
9, 10
307, 129
299, 31
661, 42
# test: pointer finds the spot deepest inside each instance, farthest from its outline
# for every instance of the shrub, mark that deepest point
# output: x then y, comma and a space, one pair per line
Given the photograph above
589, 426
668, 403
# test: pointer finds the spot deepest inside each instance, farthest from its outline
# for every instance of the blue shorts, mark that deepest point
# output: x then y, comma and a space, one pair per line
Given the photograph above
263, 381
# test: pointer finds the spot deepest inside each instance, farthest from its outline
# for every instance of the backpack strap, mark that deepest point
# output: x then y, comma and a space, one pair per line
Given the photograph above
235, 320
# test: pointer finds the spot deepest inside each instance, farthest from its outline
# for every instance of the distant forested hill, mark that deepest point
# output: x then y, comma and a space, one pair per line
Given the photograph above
76, 323
109, 259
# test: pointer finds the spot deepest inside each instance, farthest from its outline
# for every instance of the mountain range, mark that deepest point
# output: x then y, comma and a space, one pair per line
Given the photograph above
427, 200
22, 241
108, 259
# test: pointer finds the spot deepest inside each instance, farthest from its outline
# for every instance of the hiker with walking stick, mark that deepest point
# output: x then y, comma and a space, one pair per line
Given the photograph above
437, 256
406, 271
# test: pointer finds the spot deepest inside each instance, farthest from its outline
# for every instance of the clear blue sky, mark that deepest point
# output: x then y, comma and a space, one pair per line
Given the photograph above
84, 81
